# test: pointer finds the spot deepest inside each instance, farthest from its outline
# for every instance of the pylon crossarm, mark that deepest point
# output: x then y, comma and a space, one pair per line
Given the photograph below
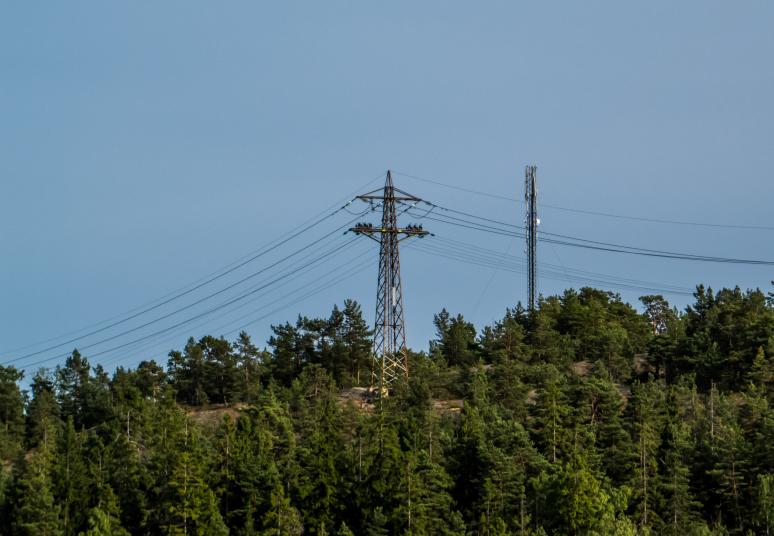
382, 198
408, 197
364, 231
421, 234
370, 231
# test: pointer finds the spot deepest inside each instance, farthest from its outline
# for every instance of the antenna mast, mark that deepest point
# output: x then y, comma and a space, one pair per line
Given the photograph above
530, 200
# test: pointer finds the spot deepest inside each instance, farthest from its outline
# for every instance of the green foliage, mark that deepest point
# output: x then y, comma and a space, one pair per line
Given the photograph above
43, 412
104, 519
584, 416
340, 344
456, 340
35, 511
11, 412
765, 502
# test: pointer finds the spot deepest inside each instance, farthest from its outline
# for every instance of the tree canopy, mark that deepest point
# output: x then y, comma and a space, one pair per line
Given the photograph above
582, 417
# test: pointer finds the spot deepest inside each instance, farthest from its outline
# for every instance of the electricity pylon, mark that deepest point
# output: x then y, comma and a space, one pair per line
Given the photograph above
390, 359
532, 221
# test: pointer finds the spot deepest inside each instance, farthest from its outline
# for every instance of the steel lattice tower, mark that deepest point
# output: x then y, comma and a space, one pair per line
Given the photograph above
390, 359
530, 200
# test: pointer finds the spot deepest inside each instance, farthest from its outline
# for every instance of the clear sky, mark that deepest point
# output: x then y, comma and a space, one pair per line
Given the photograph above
146, 144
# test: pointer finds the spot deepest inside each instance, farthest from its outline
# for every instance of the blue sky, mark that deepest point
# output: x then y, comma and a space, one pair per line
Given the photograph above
144, 145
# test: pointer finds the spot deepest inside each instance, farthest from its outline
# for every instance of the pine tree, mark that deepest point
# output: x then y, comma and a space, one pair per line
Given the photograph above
11, 412
467, 462
678, 508
646, 419
282, 519
505, 341
104, 520
149, 379
598, 422
125, 472
424, 502
331, 347
72, 381
761, 373
35, 512
188, 372
357, 341
286, 355
382, 493
191, 504
250, 368
584, 505
72, 486
509, 388
344, 530
221, 372
255, 457
551, 413
6, 501
657, 311
42, 411
729, 464
765, 513
456, 342
319, 478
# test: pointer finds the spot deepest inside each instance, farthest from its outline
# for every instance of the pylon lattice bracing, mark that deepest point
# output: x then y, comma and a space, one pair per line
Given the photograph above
390, 357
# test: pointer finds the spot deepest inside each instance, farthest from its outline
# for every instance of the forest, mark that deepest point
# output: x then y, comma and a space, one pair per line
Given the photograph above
586, 416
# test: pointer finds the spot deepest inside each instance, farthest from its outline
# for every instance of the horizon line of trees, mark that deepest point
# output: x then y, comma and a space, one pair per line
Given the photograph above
582, 417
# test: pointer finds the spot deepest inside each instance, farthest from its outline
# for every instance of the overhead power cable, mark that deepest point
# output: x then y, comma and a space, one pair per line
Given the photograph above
548, 273
479, 252
206, 280
340, 279
197, 316
571, 274
303, 249
662, 221
265, 291
178, 295
594, 212
336, 272
458, 188
504, 228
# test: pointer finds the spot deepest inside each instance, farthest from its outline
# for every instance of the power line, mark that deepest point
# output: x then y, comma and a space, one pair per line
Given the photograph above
662, 221
458, 188
461, 222
188, 306
343, 277
340, 277
306, 268
207, 279
498, 259
495, 271
178, 296
195, 317
551, 274
657, 254
465, 253
593, 212
548, 274
583, 242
